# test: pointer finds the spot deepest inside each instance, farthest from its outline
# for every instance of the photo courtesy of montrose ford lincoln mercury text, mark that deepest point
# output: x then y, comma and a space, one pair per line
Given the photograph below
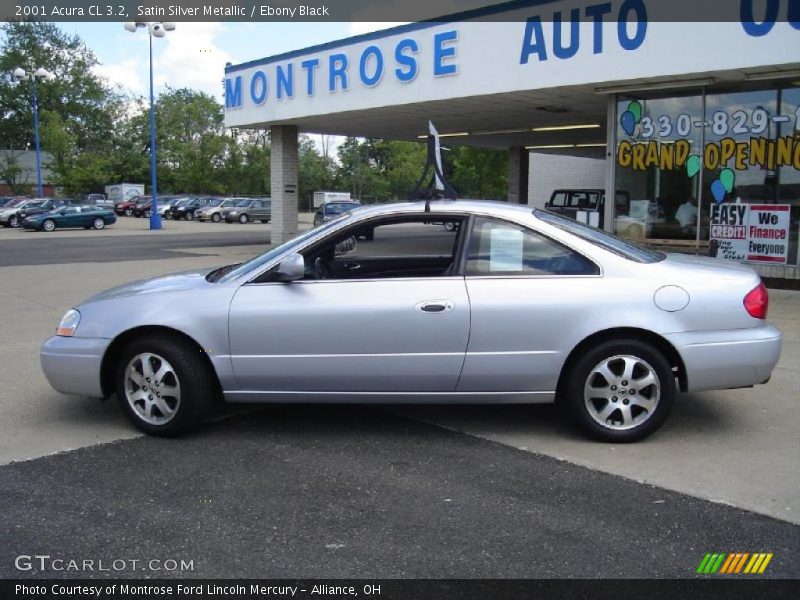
469, 302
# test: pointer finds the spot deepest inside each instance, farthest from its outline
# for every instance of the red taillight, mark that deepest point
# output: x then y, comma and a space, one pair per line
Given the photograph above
757, 301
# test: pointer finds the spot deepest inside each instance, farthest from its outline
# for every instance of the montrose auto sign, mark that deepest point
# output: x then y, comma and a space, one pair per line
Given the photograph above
558, 44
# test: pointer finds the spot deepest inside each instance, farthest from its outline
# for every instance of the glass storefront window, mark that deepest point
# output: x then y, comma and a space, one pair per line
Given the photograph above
712, 169
655, 138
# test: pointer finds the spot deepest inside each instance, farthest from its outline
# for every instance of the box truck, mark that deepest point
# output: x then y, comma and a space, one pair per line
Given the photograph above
120, 192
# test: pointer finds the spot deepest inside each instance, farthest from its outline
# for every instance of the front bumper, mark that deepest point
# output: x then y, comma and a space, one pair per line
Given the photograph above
716, 360
72, 364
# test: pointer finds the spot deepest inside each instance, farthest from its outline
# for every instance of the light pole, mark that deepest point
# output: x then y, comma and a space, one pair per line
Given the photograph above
40, 74
154, 30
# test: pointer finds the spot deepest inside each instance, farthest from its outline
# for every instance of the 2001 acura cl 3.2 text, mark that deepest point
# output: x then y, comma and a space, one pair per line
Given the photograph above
509, 305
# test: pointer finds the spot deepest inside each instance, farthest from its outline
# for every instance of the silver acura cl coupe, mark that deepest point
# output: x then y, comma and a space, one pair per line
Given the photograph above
502, 304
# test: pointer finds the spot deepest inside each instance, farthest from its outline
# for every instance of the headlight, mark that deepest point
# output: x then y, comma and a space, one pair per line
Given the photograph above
69, 323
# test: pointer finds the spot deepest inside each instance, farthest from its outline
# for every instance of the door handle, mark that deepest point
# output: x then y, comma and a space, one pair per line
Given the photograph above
435, 306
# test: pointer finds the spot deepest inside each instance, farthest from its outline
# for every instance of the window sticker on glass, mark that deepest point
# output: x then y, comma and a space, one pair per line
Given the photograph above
505, 249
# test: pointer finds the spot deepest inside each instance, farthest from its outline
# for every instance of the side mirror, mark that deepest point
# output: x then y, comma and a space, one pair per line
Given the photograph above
346, 246
291, 268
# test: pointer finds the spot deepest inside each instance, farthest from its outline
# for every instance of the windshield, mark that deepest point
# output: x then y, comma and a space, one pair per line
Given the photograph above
215, 202
598, 237
242, 203
14, 203
183, 202
262, 259
338, 208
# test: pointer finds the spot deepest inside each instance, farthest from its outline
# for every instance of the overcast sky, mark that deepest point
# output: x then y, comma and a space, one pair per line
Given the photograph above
194, 55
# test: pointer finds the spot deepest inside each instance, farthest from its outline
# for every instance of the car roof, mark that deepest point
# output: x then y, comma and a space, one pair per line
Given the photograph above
493, 207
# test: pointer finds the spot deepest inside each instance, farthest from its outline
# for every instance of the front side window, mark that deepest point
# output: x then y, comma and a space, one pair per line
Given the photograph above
502, 248
391, 248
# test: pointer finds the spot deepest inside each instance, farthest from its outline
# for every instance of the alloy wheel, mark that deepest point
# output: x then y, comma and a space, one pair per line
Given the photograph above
152, 388
622, 392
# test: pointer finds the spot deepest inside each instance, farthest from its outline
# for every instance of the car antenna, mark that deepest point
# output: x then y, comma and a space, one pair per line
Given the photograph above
438, 187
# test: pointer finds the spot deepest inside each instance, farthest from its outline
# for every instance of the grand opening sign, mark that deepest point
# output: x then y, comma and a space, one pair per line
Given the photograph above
751, 232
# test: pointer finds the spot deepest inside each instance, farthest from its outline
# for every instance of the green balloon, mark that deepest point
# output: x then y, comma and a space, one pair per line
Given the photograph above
636, 109
693, 165
727, 177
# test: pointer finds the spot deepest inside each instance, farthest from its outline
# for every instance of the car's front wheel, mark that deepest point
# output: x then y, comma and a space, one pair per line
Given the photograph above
216, 218
243, 219
620, 390
128, 212
163, 385
189, 216
49, 225
14, 221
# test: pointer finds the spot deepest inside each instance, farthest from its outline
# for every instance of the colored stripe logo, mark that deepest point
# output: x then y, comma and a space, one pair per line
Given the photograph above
734, 563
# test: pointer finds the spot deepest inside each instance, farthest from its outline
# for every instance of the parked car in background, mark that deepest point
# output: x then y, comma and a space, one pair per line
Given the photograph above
6, 200
126, 206
86, 216
213, 212
186, 210
249, 209
46, 206
99, 200
331, 210
521, 306
13, 215
165, 203
586, 205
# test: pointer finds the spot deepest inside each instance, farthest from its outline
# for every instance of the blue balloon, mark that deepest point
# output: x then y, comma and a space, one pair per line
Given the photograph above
628, 122
718, 191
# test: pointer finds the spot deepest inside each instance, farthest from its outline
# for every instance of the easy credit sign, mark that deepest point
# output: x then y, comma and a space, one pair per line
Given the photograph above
751, 232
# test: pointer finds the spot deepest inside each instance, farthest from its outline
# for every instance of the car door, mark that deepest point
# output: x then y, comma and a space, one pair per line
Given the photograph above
350, 333
527, 293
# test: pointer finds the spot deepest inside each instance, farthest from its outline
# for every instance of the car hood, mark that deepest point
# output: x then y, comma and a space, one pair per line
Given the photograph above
166, 283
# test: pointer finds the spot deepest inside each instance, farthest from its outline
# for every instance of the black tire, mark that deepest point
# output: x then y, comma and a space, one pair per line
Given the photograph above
197, 384
189, 216
48, 225
578, 376
244, 219
264, 220
128, 212
216, 218
13, 221
98, 223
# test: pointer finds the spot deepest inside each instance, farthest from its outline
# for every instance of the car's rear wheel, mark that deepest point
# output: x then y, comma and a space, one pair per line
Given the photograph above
189, 216
48, 225
243, 219
621, 390
163, 385
216, 218
98, 223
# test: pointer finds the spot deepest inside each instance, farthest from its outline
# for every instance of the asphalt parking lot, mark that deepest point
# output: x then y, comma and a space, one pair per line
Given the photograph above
356, 491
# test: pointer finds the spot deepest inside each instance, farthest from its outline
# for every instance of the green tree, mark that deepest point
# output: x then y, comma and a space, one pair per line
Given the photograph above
477, 172
316, 172
88, 107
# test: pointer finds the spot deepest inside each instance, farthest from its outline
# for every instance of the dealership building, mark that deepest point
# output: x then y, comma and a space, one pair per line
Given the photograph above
692, 127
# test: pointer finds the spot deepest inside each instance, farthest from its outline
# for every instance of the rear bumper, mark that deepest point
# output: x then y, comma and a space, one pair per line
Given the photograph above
728, 359
72, 365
